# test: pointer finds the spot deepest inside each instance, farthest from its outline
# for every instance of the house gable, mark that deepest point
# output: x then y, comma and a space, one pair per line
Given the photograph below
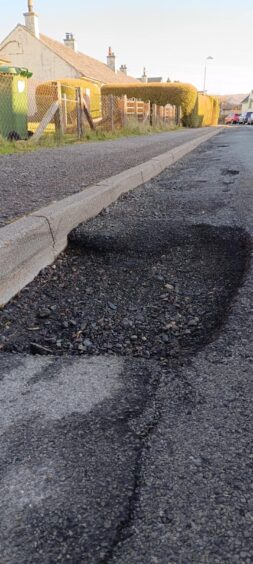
87, 66
247, 103
23, 49
48, 59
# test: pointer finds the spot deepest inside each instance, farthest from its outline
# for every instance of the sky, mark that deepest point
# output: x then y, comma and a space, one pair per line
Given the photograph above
171, 38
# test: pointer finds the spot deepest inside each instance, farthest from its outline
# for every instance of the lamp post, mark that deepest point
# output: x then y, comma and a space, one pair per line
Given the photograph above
207, 59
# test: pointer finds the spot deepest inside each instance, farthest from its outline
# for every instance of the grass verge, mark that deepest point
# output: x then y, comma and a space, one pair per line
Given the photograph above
51, 140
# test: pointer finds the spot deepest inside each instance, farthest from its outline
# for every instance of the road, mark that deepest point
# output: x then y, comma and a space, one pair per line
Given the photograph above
32, 180
143, 455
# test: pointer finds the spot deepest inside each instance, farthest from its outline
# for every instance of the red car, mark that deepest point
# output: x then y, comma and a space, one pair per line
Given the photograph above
232, 118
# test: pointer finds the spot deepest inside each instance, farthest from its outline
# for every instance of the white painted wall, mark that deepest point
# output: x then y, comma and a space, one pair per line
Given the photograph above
247, 106
22, 49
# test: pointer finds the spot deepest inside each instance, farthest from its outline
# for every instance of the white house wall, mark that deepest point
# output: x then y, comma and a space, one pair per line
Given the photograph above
247, 106
24, 50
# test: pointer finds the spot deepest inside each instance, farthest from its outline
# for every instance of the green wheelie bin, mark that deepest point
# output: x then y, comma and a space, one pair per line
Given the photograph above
13, 102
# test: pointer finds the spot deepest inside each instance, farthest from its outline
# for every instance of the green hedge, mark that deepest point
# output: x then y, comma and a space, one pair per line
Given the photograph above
174, 93
206, 112
197, 110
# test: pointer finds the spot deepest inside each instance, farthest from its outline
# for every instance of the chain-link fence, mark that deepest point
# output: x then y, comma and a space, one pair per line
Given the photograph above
13, 104
120, 112
71, 107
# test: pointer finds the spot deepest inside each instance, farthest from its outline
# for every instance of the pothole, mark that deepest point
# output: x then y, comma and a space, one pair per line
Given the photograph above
230, 172
151, 292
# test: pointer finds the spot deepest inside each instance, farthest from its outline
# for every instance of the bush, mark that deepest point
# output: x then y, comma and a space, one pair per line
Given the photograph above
177, 94
205, 113
197, 110
216, 111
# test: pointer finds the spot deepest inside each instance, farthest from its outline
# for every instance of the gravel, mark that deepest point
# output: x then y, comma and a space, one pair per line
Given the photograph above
129, 290
32, 180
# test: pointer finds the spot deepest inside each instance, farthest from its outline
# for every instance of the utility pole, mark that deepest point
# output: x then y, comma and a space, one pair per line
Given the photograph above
207, 59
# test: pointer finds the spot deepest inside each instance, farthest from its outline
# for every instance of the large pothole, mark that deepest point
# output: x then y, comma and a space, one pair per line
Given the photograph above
149, 291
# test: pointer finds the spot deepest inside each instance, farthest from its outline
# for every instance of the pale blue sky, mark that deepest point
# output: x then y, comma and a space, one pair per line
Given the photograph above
170, 37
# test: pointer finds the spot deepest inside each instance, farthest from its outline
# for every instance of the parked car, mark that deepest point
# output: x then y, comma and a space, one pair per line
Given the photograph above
242, 118
232, 118
250, 119
245, 117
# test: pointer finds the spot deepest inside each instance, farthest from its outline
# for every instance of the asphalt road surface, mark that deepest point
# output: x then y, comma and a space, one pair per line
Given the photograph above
32, 180
127, 457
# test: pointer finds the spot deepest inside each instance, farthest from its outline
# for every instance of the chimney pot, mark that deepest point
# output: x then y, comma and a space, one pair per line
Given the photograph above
123, 69
31, 20
111, 60
144, 77
70, 41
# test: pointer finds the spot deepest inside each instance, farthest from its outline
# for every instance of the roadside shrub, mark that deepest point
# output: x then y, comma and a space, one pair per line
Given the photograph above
216, 111
206, 112
197, 110
174, 93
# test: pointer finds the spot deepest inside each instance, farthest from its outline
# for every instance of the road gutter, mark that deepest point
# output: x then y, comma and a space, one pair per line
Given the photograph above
33, 242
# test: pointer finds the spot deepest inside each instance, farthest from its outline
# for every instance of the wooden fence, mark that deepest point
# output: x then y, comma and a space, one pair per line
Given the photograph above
57, 107
143, 110
119, 111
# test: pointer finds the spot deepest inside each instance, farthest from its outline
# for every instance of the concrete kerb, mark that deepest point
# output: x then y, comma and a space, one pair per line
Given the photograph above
30, 244
26, 246
167, 159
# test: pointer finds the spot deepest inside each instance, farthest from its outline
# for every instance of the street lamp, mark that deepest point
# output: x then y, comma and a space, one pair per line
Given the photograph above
207, 59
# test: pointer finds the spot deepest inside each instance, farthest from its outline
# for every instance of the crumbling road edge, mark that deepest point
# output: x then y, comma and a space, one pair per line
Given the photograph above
33, 242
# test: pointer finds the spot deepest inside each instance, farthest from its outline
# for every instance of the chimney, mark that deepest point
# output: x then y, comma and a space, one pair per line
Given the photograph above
123, 69
111, 60
70, 41
32, 20
144, 77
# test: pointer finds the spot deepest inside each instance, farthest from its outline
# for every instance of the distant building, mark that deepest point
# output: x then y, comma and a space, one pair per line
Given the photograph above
48, 59
247, 103
155, 79
147, 79
144, 77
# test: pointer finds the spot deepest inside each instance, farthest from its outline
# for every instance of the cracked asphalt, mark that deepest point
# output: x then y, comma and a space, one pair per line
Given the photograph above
119, 458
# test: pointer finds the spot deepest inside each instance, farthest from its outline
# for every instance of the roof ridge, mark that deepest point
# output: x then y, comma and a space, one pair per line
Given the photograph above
79, 53
85, 64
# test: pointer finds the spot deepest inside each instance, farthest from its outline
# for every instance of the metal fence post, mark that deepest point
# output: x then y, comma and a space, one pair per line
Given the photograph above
151, 114
58, 119
78, 113
125, 110
65, 110
111, 112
